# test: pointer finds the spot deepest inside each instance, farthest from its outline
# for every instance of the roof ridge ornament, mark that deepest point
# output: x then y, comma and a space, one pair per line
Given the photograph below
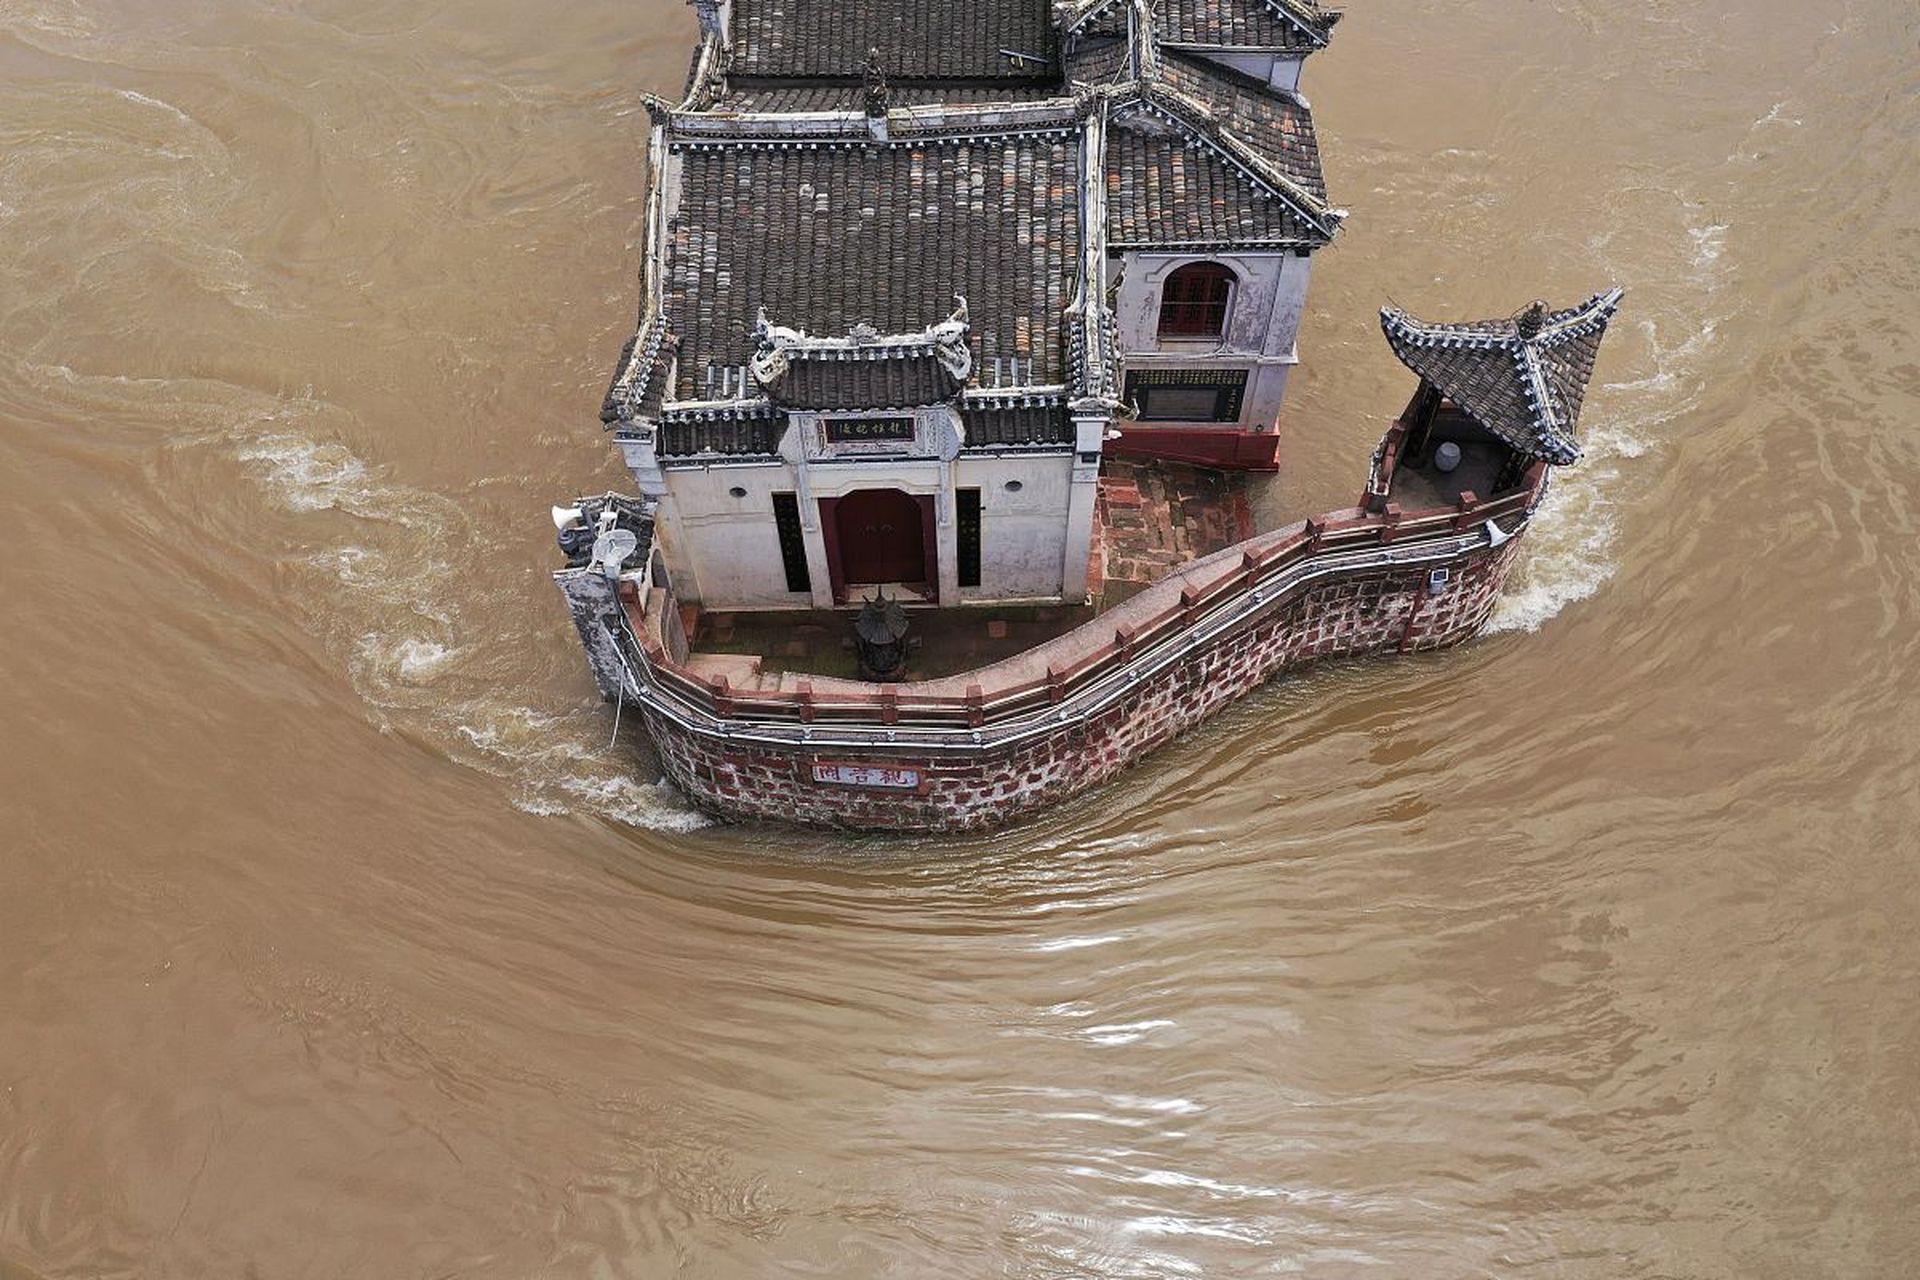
935, 364
878, 96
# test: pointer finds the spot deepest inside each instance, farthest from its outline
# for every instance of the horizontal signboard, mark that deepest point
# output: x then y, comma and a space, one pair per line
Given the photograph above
865, 775
862, 430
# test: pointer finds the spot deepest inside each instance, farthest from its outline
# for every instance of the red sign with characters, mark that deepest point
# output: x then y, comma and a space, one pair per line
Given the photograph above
841, 774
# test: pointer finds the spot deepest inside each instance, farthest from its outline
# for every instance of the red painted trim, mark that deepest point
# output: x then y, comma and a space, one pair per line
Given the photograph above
929, 547
830, 533
1228, 448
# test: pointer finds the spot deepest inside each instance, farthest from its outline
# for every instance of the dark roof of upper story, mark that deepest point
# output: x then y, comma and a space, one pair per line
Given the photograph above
1293, 25
833, 234
893, 380
785, 197
1523, 378
1164, 189
1277, 126
916, 39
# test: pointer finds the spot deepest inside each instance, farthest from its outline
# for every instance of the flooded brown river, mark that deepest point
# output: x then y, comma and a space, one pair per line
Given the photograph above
337, 942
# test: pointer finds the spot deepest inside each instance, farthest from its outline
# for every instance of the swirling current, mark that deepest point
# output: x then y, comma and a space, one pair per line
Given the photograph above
343, 937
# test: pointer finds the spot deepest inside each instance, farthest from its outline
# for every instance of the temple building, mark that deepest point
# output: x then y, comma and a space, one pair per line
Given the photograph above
913, 268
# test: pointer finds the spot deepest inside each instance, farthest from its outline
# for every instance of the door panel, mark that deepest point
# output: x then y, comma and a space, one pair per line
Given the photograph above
881, 537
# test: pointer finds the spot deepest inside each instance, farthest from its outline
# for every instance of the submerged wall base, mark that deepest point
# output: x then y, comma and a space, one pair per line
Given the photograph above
1370, 611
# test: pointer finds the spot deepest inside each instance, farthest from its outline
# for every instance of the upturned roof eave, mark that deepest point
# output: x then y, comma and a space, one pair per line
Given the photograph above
1549, 433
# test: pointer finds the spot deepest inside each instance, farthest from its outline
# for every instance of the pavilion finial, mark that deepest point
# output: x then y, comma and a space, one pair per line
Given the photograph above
876, 84
1531, 321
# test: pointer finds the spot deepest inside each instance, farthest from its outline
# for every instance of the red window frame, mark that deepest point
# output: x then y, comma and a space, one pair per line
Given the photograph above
1193, 301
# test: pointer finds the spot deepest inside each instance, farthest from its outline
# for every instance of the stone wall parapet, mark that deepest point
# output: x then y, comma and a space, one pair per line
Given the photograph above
979, 748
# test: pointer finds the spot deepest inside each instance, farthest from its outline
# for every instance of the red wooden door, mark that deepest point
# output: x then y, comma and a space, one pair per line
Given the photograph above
881, 537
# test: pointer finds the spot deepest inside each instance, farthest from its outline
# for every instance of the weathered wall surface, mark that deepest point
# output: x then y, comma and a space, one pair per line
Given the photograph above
1372, 611
1023, 537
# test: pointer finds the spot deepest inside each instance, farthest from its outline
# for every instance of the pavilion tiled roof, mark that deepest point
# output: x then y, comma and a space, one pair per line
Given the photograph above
1523, 378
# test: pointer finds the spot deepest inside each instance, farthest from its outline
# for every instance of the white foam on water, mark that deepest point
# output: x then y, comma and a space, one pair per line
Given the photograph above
1709, 243
1569, 558
1570, 552
132, 95
653, 805
309, 476
421, 658
397, 606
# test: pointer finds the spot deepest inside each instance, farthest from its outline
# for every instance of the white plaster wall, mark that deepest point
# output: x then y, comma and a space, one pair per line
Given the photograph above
724, 552
1263, 324
1023, 535
730, 545
1263, 315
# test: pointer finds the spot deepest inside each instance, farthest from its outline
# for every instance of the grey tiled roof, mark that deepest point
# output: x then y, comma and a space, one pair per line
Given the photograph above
903, 381
965, 179
1268, 24
1017, 425
814, 95
1278, 127
755, 436
1523, 378
1260, 24
1168, 190
826, 236
1102, 60
639, 385
917, 39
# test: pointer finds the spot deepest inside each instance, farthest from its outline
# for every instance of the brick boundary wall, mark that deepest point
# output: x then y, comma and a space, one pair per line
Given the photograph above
1369, 612
982, 748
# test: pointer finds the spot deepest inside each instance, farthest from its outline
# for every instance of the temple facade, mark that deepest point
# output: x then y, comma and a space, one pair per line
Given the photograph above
913, 269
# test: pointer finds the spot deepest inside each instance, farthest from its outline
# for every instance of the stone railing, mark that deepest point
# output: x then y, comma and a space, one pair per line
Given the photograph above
977, 748
1107, 654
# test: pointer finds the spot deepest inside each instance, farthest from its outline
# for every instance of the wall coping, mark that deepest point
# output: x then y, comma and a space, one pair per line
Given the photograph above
1070, 678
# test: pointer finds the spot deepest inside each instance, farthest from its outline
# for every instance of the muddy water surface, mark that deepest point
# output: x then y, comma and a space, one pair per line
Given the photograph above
338, 942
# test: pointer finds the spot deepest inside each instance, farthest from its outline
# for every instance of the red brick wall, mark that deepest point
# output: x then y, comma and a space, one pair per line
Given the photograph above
1370, 611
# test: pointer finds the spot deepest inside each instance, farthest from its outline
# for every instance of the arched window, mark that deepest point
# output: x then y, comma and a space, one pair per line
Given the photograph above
1193, 301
